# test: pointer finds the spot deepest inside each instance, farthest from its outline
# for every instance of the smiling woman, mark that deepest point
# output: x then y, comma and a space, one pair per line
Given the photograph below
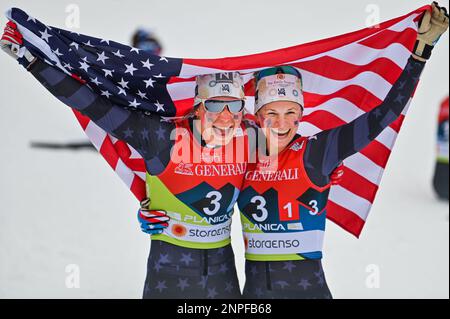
283, 219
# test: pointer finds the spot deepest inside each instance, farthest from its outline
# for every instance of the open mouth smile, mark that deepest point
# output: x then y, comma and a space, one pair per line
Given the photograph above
280, 133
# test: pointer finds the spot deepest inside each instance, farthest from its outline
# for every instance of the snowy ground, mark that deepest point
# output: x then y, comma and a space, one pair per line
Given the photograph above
62, 208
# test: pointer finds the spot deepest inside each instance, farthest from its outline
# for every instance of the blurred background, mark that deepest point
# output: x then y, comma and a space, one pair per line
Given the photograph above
65, 208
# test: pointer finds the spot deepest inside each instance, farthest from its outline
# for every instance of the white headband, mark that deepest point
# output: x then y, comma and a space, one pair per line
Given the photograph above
278, 87
220, 84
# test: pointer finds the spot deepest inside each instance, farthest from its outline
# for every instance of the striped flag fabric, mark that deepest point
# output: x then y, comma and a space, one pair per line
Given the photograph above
344, 77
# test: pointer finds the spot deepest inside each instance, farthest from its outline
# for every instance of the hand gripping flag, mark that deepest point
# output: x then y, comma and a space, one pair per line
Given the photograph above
344, 77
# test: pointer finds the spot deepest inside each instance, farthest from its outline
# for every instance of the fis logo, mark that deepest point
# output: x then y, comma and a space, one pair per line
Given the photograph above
297, 146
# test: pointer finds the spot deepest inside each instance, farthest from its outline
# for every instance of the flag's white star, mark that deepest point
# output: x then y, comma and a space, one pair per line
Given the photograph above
108, 72
118, 54
130, 68
68, 66
30, 18
102, 57
57, 52
149, 82
135, 50
159, 106
142, 95
95, 81
106, 93
103, 40
88, 43
76, 45
84, 66
163, 58
147, 64
121, 91
159, 76
44, 35
85, 59
134, 103
124, 84
165, 119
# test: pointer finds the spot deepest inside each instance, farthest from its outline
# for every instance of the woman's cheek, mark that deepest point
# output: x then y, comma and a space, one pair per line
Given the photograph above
268, 122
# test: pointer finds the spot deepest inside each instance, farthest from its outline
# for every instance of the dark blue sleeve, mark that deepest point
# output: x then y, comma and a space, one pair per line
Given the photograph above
326, 150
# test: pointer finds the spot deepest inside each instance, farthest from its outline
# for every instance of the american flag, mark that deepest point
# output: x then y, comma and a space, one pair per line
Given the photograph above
344, 77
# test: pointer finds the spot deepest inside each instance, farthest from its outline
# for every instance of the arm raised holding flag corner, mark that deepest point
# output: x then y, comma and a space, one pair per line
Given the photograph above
283, 215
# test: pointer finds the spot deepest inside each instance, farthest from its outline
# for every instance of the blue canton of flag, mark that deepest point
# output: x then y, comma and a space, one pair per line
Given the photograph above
128, 76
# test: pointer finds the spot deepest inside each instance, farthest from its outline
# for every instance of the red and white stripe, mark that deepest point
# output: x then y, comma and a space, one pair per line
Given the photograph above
344, 77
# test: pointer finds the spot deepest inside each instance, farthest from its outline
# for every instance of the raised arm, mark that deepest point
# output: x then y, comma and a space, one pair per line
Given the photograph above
326, 150
329, 148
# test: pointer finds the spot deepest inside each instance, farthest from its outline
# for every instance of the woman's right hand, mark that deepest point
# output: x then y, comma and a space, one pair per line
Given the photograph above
152, 222
12, 43
11, 40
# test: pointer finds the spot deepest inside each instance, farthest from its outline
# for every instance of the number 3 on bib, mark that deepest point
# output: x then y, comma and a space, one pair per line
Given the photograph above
215, 198
262, 213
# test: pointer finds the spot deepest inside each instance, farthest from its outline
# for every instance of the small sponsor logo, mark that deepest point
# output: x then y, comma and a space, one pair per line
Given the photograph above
273, 176
226, 77
297, 146
211, 170
179, 230
184, 169
295, 226
225, 88
281, 92
222, 232
273, 244
264, 227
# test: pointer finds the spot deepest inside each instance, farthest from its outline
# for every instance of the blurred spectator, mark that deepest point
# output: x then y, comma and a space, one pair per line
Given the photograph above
440, 181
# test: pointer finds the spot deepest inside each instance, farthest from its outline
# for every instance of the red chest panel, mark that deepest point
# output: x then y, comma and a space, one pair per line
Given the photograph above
191, 164
286, 175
